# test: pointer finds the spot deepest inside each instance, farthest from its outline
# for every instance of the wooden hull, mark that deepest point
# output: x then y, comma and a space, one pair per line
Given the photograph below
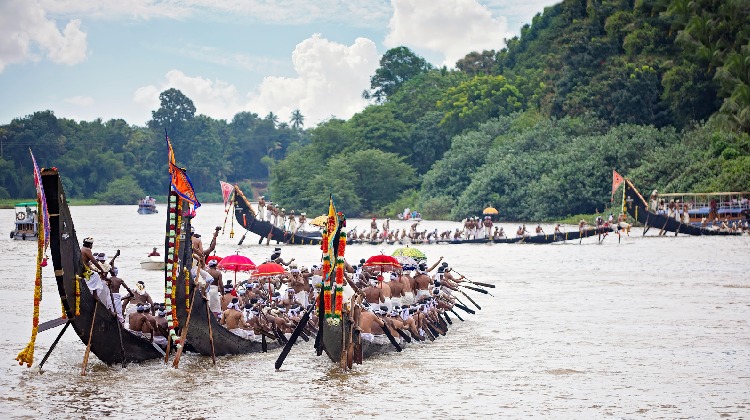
334, 337
246, 218
66, 259
637, 207
199, 334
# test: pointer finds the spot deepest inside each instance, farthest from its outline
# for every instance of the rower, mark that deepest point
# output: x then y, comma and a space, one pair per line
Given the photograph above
140, 297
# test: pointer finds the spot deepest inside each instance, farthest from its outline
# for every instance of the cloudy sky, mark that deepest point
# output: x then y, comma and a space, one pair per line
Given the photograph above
88, 59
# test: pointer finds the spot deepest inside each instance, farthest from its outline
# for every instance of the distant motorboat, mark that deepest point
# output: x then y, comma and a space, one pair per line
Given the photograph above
155, 262
147, 205
27, 228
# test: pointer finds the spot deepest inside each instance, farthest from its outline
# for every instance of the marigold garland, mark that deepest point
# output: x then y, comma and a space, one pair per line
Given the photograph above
175, 207
27, 354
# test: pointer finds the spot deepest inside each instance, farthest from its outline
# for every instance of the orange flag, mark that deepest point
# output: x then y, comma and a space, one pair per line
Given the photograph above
617, 179
180, 180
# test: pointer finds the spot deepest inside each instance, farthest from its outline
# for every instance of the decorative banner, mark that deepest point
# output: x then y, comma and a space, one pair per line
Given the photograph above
180, 180
44, 213
617, 179
333, 247
226, 191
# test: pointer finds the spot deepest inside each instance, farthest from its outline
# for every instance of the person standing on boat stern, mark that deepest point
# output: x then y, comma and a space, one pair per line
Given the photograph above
154, 253
215, 289
292, 222
114, 283
262, 208
373, 228
487, 226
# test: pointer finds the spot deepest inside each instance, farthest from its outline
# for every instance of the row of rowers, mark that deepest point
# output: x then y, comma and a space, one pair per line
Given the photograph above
274, 304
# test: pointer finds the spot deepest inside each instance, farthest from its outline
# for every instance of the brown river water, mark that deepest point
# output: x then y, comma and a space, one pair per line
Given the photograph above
653, 327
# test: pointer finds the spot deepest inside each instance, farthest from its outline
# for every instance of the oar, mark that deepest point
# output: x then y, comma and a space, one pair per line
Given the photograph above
54, 343
53, 323
464, 308
470, 299
243, 239
119, 324
447, 318
403, 335
91, 335
457, 315
297, 331
210, 333
183, 333
491, 286
476, 289
390, 336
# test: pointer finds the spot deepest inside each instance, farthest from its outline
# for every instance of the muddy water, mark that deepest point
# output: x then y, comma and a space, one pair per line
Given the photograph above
647, 327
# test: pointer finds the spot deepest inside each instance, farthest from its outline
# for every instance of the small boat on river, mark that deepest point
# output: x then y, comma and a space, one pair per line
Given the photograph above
147, 205
26, 223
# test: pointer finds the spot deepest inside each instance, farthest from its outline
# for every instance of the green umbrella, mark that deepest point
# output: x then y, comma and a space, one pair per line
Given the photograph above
410, 252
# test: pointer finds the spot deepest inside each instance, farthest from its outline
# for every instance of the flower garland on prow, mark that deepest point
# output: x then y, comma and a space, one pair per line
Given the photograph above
43, 234
27, 354
170, 284
340, 267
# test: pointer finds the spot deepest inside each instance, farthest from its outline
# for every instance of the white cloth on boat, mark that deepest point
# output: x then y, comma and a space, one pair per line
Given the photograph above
246, 334
99, 290
214, 299
407, 298
118, 306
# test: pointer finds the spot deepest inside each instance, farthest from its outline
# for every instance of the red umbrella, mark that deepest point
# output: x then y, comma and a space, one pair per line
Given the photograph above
269, 269
213, 258
236, 263
383, 262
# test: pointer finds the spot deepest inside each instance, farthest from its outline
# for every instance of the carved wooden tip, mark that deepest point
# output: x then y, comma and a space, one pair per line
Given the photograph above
59, 272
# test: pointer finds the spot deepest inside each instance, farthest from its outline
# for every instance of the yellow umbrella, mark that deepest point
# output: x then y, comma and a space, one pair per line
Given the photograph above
320, 221
490, 210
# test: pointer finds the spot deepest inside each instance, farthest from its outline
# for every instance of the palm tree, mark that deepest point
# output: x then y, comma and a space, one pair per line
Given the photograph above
273, 118
297, 119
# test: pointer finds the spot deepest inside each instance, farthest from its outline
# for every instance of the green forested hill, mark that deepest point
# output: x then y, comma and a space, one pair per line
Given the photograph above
657, 89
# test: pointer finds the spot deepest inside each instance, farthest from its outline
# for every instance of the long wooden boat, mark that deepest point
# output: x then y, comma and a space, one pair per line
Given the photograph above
638, 208
247, 218
66, 259
531, 239
205, 334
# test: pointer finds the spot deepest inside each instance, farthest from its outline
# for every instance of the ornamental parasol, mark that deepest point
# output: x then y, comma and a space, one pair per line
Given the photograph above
268, 269
320, 221
213, 258
383, 262
408, 263
236, 263
490, 211
410, 252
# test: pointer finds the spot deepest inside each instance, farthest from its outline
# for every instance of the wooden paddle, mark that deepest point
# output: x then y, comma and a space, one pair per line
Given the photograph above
54, 343
119, 324
91, 335
476, 289
53, 323
464, 308
447, 318
297, 331
491, 286
388, 334
183, 333
470, 299
457, 315
210, 332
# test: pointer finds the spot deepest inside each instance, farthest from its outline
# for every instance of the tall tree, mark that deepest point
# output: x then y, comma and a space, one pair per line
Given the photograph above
397, 66
297, 119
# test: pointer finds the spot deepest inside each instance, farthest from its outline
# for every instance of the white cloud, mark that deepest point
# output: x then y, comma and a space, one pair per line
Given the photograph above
215, 98
80, 100
27, 34
330, 80
452, 28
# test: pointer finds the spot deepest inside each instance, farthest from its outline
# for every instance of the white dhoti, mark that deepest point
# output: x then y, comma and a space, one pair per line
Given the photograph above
292, 226
367, 337
246, 334
131, 309
261, 212
118, 306
422, 293
302, 298
99, 290
488, 231
214, 299
407, 298
395, 301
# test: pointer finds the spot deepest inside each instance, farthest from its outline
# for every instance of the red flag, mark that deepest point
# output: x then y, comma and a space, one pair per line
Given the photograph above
226, 191
617, 179
180, 180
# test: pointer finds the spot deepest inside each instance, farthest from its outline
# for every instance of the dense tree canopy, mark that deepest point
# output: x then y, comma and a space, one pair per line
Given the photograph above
657, 89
